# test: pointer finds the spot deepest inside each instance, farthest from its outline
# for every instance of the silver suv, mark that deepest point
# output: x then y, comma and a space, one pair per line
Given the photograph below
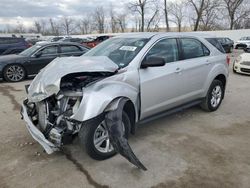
103, 95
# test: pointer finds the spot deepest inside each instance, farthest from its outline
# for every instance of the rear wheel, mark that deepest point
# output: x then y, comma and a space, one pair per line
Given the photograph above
14, 73
214, 96
95, 138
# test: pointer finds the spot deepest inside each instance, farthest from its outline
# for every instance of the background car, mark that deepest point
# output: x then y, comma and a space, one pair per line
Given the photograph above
13, 45
242, 64
96, 41
227, 44
14, 68
77, 40
242, 43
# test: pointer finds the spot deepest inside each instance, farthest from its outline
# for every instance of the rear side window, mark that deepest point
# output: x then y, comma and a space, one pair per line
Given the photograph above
216, 44
50, 50
70, 48
193, 48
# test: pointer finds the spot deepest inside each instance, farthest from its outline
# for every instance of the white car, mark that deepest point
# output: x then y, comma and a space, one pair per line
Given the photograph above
244, 42
242, 64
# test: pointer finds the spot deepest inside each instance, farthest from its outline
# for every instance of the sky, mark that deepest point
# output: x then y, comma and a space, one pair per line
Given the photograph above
27, 11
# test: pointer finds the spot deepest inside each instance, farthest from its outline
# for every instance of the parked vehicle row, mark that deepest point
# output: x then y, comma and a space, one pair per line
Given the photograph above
16, 67
103, 95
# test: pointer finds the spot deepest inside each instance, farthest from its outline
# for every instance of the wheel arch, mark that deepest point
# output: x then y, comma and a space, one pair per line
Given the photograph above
129, 108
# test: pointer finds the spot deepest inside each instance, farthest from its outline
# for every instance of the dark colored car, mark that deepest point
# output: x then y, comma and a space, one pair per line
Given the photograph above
227, 44
14, 68
12, 45
78, 40
93, 43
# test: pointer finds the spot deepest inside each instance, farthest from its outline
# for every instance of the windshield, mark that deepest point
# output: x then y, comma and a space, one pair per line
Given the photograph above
30, 51
120, 50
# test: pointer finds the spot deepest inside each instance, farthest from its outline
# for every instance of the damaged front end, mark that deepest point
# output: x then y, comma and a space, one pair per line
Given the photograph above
70, 91
49, 121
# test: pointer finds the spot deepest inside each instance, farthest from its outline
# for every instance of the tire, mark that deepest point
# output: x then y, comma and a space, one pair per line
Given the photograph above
213, 99
89, 131
14, 73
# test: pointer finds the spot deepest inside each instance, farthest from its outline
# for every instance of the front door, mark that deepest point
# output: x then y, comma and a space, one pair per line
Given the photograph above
161, 87
46, 55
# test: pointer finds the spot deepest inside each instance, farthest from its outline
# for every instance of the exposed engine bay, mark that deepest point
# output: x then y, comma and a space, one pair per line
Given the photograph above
52, 116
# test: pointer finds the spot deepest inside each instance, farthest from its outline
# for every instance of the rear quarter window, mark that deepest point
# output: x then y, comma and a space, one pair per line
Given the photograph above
216, 44
193, 48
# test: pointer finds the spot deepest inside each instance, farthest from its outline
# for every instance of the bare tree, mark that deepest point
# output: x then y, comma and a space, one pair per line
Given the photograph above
99, 19
19, 28
166, 15
235, 11
85, 25
113, 21
153, 21
177, 12
68, 25
38, 27
54, 28
121, 20
210, 17
139, 6
199, 7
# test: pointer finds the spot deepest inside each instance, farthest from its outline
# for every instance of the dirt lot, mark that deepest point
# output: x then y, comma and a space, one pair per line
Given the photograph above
190, 149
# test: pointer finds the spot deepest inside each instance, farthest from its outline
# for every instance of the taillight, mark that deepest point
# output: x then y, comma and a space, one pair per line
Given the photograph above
228, 59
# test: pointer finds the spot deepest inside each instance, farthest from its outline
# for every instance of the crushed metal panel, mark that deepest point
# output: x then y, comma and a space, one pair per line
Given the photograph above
117, 135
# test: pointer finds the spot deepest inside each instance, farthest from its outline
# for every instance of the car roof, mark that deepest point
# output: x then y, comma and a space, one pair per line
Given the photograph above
60, 43
43, 44
164, 34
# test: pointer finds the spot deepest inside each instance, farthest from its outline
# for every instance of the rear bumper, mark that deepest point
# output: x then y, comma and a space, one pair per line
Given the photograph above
36, 133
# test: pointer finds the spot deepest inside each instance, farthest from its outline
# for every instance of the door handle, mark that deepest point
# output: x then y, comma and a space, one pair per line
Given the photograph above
178, 70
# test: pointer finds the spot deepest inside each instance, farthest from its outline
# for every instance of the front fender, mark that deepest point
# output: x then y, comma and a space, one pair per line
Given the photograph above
99, 97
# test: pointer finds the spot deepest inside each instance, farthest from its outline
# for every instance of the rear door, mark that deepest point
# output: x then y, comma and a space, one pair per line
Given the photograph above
196, 65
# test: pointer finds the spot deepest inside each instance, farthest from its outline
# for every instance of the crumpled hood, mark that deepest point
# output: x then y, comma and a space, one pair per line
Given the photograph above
48, 80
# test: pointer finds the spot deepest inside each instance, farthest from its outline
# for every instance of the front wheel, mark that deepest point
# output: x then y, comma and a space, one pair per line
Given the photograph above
14, 73
214, 96
94, 138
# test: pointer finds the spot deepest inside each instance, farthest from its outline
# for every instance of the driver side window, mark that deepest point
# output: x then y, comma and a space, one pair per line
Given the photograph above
166, 49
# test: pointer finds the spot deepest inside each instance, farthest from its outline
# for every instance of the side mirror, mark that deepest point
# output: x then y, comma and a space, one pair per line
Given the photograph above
153, 62
38, 54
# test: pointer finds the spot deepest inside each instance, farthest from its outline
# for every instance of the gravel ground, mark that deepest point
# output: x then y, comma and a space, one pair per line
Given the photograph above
190, 149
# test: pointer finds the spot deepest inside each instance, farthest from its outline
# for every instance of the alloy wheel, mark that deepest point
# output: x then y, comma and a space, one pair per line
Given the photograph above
216, 96
15, 73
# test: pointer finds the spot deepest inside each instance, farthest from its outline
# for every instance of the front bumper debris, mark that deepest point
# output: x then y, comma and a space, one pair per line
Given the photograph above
36, 133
